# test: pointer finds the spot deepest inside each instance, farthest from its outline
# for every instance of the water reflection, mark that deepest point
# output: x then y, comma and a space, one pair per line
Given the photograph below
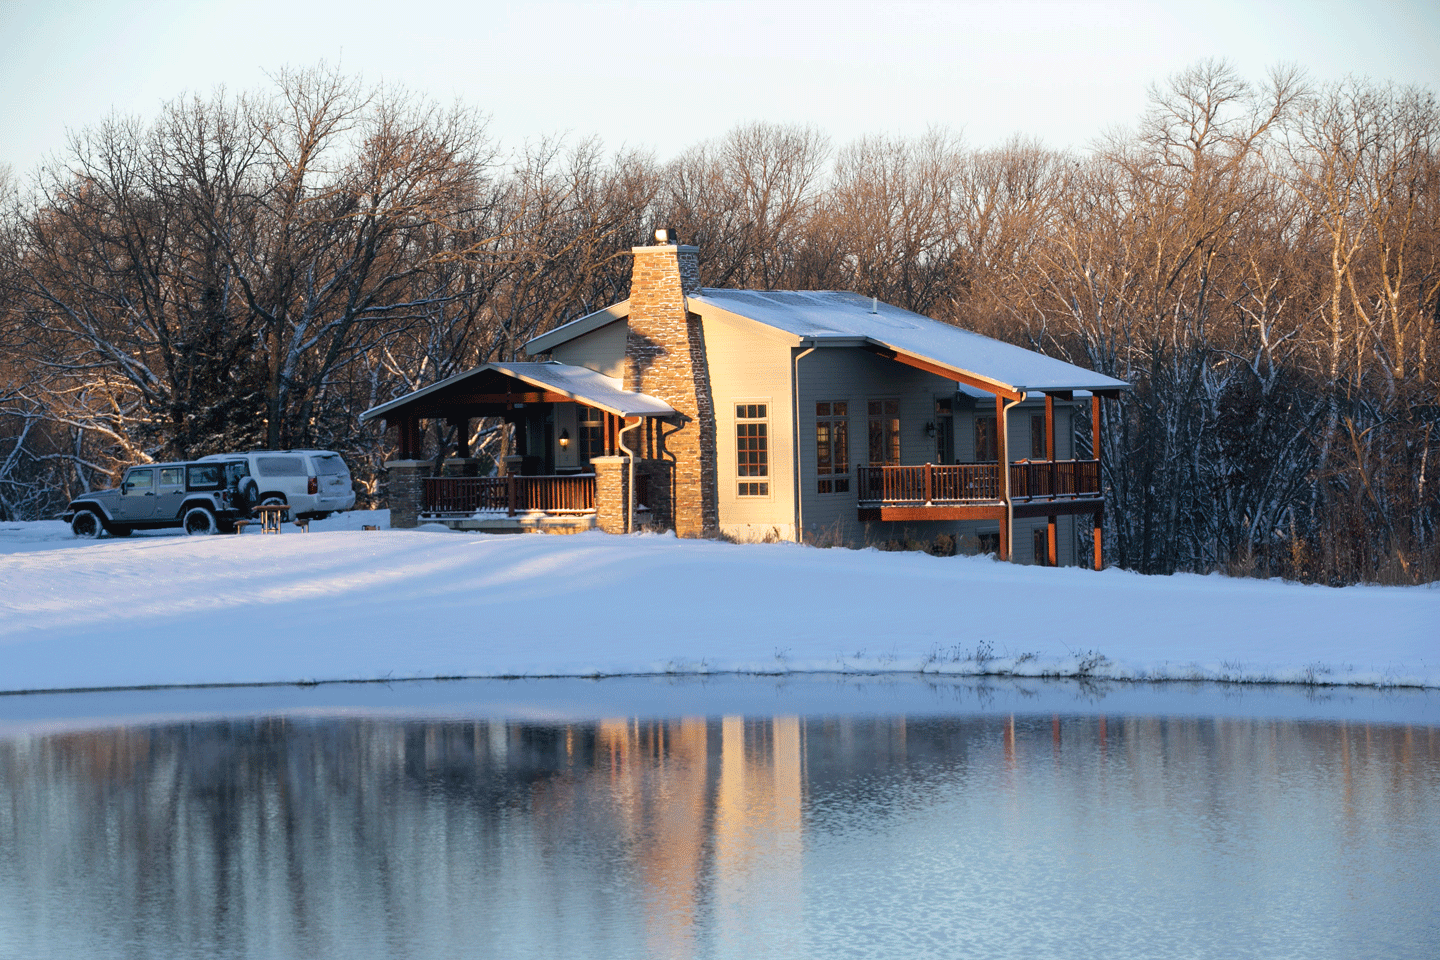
843, 836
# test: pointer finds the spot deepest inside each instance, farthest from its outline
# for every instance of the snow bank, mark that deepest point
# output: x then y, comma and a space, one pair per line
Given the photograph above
340, 603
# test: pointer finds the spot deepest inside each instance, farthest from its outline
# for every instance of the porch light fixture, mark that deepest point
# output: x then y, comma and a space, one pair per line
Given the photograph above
930, 429
564, 439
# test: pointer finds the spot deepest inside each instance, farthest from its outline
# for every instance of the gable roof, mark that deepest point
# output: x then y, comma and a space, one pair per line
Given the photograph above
578, 328
834, 318
574, 383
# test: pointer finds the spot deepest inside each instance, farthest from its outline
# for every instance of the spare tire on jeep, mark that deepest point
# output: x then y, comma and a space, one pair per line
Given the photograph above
247, 496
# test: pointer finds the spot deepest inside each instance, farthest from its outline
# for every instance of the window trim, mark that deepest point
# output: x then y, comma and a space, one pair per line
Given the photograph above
765, 480
896, 439
838, 475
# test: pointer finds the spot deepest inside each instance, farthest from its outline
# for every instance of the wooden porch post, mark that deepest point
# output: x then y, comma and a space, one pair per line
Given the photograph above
1095, 454
1052, 553
1002, 449
462, 435
409, 437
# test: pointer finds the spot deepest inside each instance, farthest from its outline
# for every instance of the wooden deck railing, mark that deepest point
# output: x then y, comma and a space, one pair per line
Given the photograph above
930, 483
513, 494
1054, 479
965, 482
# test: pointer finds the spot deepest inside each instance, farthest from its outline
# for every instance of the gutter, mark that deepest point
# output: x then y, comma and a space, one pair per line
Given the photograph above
795, 443
629, 456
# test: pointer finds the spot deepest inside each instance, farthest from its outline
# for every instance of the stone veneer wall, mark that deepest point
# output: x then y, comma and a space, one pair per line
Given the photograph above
665, 358
405, 490
612, 478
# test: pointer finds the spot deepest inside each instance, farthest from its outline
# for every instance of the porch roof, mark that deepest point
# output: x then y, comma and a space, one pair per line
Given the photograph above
552, 381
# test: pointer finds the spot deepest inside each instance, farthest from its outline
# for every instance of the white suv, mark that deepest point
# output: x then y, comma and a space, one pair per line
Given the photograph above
313, 483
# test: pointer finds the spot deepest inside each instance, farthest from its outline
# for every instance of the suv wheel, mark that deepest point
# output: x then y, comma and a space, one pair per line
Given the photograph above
85, 525
200, 522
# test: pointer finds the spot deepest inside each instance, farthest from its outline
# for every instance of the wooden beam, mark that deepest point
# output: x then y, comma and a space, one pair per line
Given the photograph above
1002, 448
989, 511
1099, 469
1022, 510
1053, 553
1094, 428
1050, 428
945, 372
527, 396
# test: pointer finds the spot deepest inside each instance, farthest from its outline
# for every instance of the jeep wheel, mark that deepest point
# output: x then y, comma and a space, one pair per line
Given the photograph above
274, 500
200, 522
85, 525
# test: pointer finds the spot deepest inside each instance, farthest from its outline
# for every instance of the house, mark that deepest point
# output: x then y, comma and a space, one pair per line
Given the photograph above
790, 414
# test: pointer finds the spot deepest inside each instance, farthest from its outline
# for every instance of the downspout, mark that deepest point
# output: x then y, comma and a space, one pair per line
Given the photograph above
795, 443
1004, 425
630, 500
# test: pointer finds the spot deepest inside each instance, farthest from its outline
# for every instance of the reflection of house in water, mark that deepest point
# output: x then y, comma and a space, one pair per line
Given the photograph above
677, 838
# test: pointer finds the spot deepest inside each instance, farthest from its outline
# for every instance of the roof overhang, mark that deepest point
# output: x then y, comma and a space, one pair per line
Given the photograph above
507, 386
578, 328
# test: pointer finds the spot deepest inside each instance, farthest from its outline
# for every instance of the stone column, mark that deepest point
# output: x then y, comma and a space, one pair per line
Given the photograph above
405, 490
612, 489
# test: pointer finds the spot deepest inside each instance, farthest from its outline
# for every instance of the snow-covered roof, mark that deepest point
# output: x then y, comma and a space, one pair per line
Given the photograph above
577, 383
576, 328
836, 318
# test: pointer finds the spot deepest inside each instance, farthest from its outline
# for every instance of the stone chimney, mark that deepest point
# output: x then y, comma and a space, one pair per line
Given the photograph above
665, 358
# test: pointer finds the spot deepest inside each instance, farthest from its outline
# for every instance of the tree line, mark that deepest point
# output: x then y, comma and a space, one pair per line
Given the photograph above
1260, 259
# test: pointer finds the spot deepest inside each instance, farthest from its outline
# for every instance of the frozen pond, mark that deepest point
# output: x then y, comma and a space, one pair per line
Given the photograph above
735, 818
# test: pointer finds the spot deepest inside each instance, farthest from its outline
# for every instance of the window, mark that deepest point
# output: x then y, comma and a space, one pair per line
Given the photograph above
752, 449
280, 466
139, 480
832, 447
171, 476
329, 466
592, 432
884, 432
206, 476
986, 445
944, 431
1037, 438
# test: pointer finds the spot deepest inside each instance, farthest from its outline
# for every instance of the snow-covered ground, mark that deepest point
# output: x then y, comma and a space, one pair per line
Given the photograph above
340, 603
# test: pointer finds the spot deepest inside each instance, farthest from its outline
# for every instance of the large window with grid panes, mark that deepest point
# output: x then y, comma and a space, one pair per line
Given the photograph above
592, 432
884, 417
832, 446
752, 449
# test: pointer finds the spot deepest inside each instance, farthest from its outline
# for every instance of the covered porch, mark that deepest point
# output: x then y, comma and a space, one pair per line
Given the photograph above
1034, 487
574, 437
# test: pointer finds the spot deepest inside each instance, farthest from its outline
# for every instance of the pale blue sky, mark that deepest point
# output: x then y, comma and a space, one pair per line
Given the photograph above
665, 75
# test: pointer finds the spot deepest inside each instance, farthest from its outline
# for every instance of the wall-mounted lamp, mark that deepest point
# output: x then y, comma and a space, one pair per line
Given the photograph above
564, 439
930, 429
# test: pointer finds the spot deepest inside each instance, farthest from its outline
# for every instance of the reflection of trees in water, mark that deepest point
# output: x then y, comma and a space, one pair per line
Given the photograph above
627, 835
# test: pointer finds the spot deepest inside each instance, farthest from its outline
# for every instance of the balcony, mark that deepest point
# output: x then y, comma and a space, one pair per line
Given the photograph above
971, 491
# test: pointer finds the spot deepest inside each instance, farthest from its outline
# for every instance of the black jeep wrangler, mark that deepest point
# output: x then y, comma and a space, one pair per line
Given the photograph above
202, 498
